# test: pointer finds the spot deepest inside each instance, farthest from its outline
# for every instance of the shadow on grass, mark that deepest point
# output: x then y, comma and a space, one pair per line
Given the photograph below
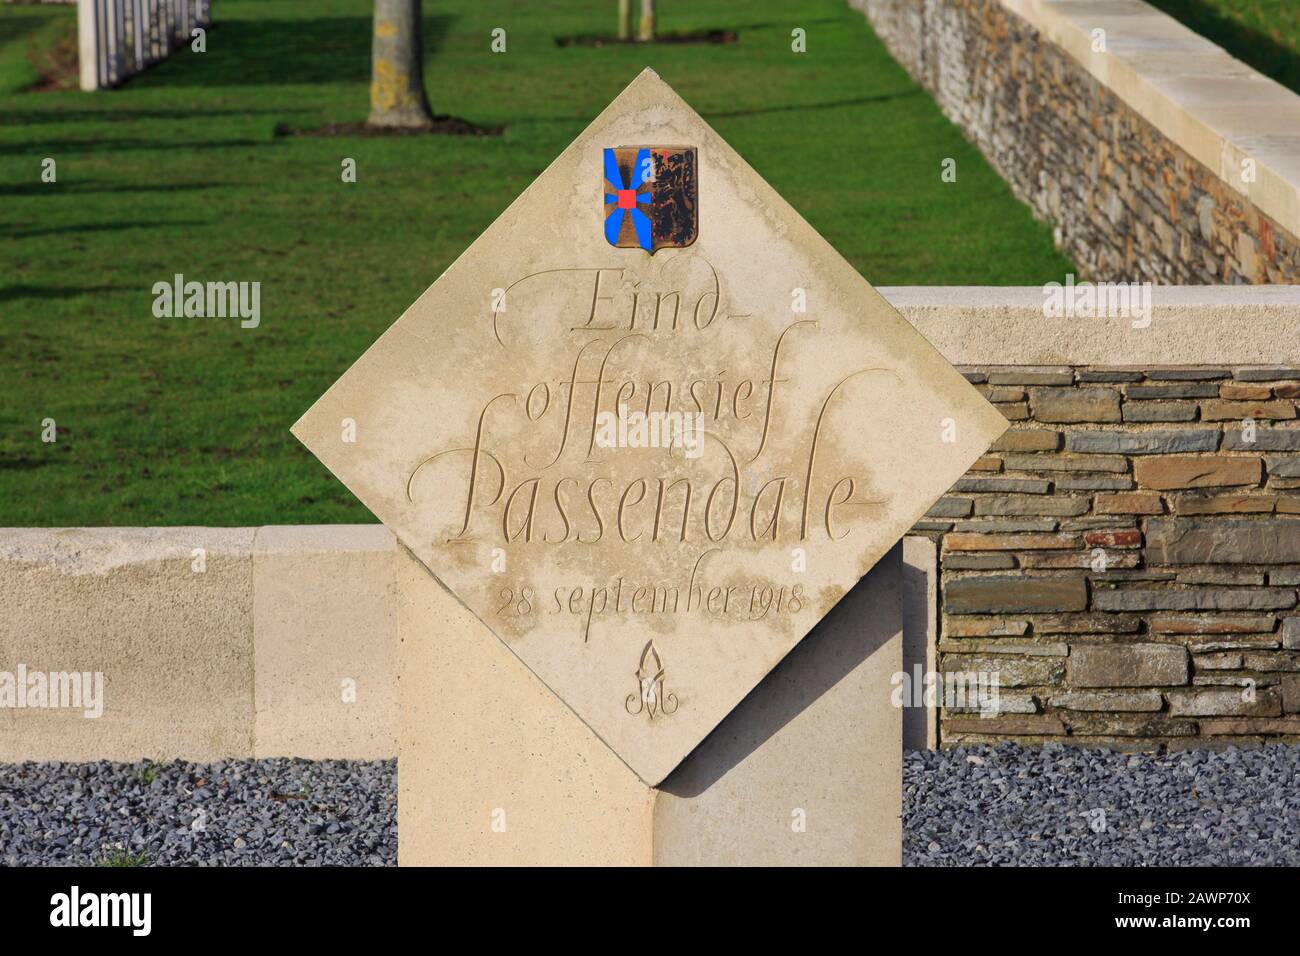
273, 52
808, 107
12, 293
16, 26
81, 189
99, 227
22, 464
1268, 56
679, 37
82, 147
109, 114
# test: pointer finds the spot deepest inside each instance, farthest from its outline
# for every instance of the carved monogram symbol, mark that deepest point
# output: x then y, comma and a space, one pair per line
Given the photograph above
651, 697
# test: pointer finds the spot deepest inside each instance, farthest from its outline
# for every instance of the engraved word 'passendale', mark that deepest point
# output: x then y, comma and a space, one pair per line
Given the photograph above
539, 468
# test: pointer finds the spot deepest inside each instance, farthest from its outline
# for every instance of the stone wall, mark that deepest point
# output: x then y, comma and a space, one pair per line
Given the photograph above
1142, 172
284, 641
1126, 557
1145, 462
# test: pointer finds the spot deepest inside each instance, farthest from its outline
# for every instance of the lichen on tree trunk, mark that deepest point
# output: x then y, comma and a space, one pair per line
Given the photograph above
646, 28
397, 97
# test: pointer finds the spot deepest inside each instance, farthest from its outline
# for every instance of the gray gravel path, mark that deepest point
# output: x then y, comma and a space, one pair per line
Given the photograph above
1063, 806
240, 812
972, 806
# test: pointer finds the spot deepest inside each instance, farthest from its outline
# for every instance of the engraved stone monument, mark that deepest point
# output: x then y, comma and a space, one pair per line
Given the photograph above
639, 440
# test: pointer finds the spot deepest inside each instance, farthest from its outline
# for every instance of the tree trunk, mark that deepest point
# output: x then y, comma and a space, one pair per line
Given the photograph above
397, 68
646, 29
625, 19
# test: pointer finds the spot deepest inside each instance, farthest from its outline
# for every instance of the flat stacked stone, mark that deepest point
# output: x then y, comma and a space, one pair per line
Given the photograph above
1130, 576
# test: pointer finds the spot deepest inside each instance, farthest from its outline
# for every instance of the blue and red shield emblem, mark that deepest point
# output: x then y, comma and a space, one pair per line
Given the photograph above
651, 197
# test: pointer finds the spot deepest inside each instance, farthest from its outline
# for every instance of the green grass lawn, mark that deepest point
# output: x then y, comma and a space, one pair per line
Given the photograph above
1263, 33
185, 421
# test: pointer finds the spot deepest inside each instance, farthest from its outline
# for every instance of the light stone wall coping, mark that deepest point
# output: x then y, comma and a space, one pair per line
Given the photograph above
297, 539
103, 550
1213, 106
1190, 325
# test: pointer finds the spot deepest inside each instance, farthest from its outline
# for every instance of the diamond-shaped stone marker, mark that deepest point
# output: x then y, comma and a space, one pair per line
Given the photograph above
650, 569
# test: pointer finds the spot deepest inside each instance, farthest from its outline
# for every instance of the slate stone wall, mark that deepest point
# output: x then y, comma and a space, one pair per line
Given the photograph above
1126, 558
1126, 202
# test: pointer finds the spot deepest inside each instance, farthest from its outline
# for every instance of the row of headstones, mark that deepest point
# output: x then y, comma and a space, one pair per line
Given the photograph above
118, 38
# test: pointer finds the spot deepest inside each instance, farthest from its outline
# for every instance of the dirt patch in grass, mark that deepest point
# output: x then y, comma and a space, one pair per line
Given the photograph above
442, 126
689, 36
55, 59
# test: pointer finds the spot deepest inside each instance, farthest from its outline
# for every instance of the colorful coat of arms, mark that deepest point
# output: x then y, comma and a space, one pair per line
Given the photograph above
651, 197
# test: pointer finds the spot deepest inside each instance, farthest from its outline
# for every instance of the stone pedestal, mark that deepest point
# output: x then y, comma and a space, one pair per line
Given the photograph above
494, 769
